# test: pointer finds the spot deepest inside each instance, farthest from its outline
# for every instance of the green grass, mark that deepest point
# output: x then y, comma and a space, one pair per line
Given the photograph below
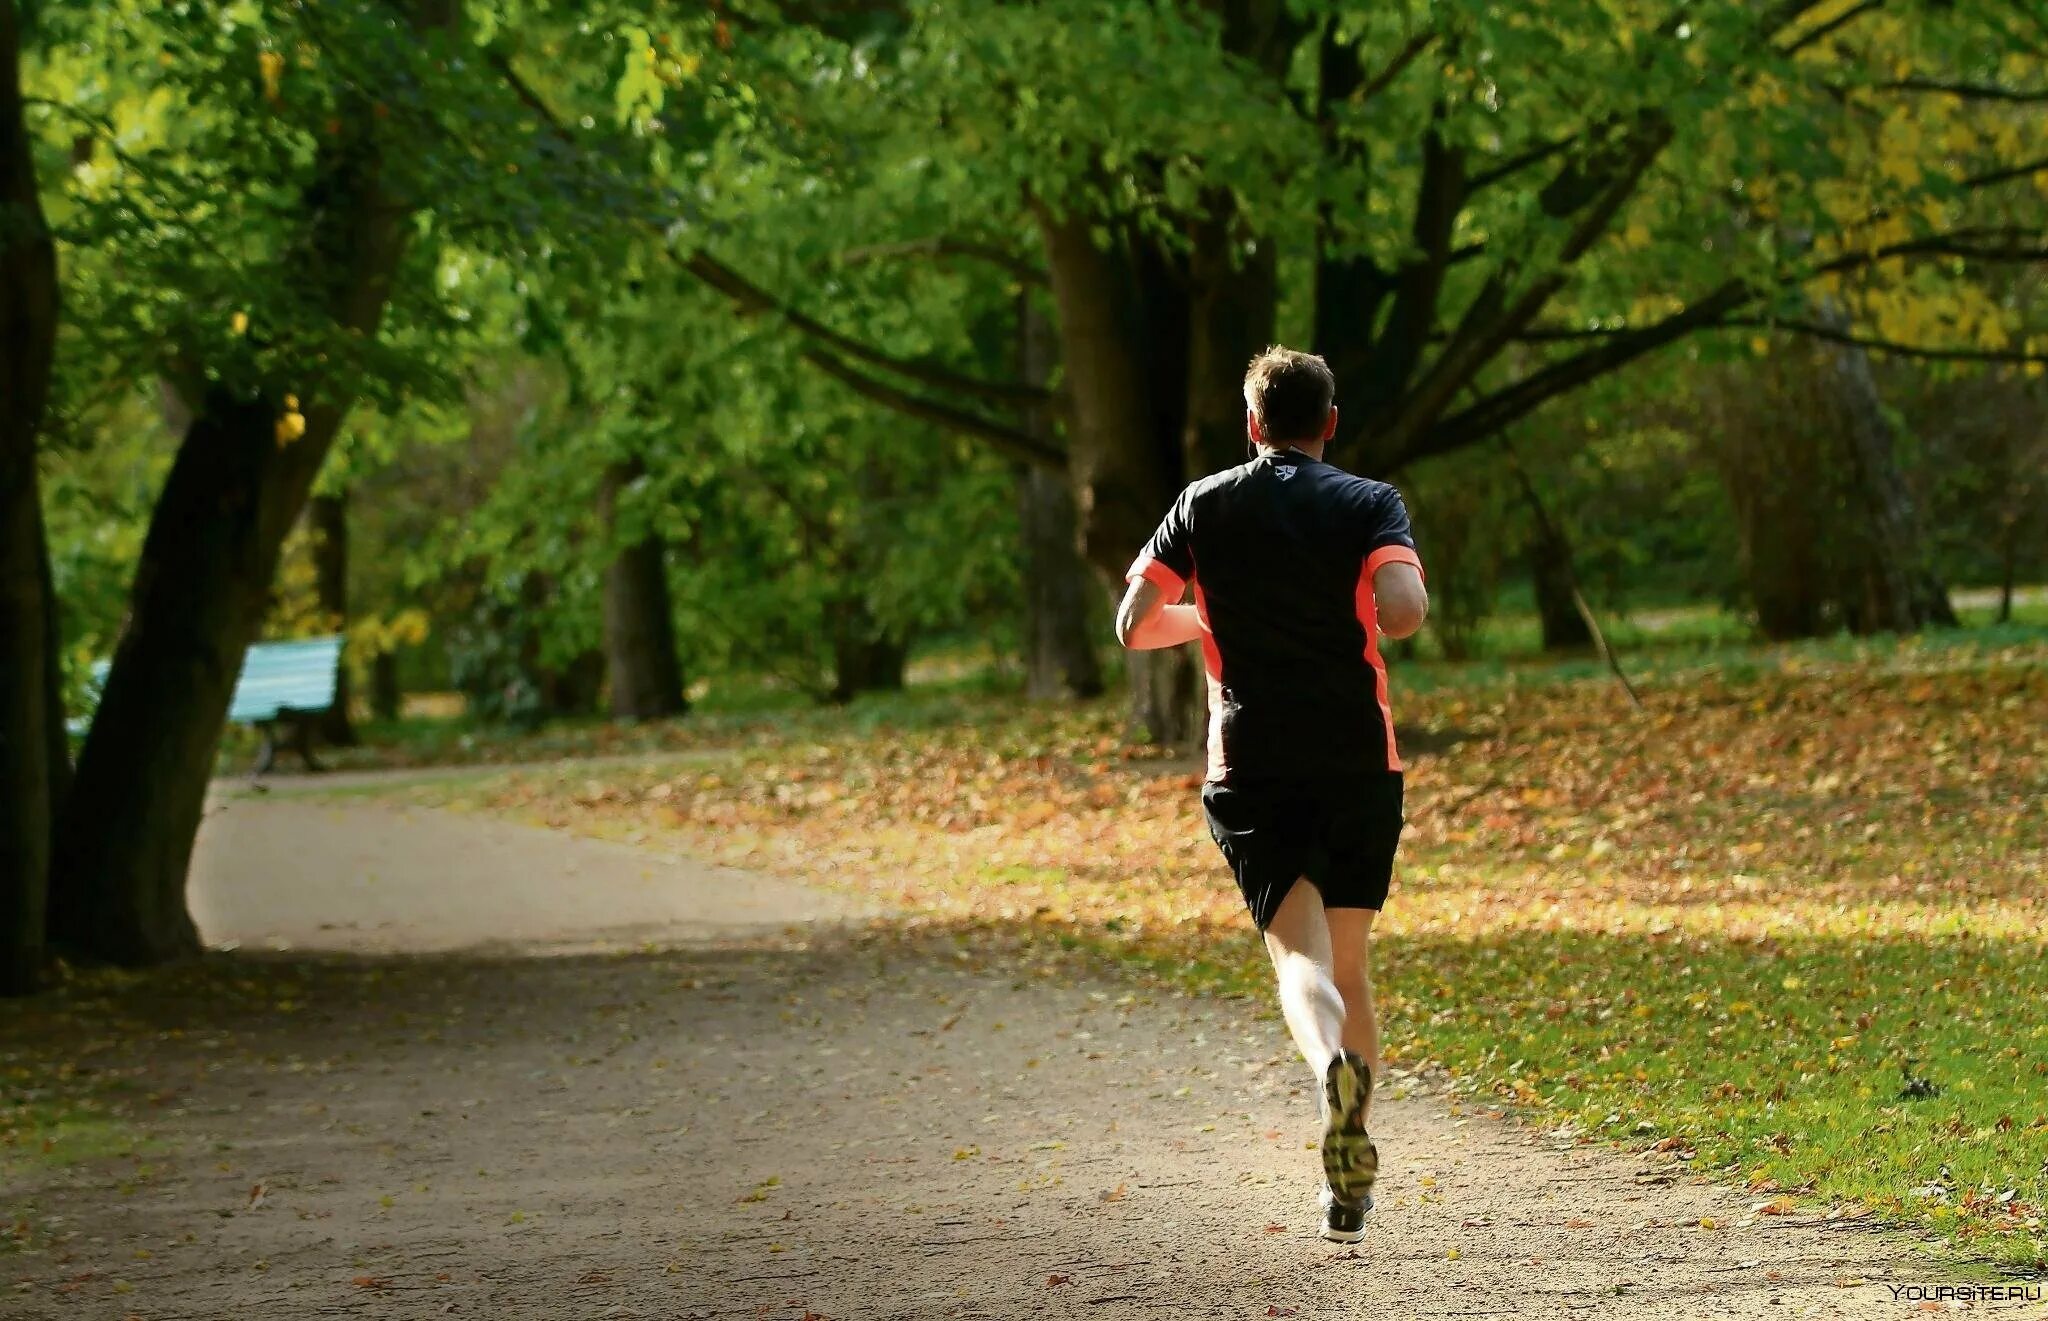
1906, 1075
54, 1114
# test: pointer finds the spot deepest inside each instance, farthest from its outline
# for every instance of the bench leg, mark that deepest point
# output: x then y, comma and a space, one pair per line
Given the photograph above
266, 756
302, 741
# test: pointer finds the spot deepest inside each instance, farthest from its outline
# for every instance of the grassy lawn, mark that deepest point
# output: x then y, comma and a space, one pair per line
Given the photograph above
1787, 920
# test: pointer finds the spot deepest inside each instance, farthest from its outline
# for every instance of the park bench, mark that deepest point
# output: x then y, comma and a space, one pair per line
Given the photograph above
282, 683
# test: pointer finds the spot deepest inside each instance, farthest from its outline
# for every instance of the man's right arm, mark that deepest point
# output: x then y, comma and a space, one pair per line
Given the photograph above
1151, 615
1147, 621
1399, 598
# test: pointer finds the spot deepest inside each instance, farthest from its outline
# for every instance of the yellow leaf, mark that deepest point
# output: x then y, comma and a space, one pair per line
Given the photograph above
271, 65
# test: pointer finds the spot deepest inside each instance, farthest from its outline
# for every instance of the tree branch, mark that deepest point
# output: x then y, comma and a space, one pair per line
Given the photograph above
2005, 175
1589, 194
1965, 91
1516, 164
1011, 441
942, 246
1384, 79
750, 297
1997, 245
1832, 26
1815, 330
1494, 411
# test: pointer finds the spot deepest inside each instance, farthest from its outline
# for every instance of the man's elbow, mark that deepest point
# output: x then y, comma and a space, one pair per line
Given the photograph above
1127, 622
1403, 618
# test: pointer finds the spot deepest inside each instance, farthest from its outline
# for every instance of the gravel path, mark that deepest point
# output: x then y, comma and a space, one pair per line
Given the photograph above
742, 1115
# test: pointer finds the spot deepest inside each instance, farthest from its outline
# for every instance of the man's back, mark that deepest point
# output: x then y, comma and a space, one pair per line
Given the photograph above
1281, 551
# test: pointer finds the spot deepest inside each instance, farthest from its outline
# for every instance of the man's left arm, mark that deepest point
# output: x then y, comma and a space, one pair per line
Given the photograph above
1399, 598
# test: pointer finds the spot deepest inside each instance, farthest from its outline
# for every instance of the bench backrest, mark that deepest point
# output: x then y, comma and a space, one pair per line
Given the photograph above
276, 677
286, 676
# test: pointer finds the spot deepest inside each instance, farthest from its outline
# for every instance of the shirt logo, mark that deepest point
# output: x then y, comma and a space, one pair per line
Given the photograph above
1284, 473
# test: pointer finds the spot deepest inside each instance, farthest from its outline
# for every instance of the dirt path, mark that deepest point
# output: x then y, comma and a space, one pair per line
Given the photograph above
799, 1123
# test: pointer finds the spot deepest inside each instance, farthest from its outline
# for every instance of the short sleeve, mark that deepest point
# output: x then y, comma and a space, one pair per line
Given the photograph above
1169, 557
1389, 538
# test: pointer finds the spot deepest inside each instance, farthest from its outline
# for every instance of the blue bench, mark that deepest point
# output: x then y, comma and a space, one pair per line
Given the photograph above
282, 683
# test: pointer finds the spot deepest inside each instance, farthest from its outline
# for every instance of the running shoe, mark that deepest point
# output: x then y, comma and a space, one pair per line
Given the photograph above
1344, 1222
1350, 1161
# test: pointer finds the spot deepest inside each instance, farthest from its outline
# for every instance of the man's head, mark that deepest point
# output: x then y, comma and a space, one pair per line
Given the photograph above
1287, 399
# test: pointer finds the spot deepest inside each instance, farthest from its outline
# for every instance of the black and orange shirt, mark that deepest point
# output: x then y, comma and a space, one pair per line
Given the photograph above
1281, 552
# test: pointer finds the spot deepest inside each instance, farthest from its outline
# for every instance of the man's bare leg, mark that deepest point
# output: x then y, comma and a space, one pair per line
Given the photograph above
1298, 939
1350, 932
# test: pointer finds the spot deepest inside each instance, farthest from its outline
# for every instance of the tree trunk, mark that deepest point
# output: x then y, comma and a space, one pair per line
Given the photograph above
327, 520
1550, 570
1894, 588
57, 736
200, 592
387, 702
639, 621
27, 795
1234, 295
28, 328
864, 659
1168, 697
1123, 457
1124, 341
1059, 646
2009, 569
124, 838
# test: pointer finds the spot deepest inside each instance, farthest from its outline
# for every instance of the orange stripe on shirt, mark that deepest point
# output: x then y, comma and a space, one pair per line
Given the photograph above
1369, 616
1155, 572
1391, 555
1212, 663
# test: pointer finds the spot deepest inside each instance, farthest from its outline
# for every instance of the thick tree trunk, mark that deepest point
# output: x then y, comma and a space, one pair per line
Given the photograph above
29, 772
1894, 588
327, 521
1550, 571
1123, 457
124, 838
1124, 341
864, 658
27, 795
639, 620
2009, 569
1168, 696
1235, 292
201, 589
57, 737
1059, 645
387, 702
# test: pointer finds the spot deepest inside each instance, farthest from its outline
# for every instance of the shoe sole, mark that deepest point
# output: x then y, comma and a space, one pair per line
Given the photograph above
1342, 1235
1351, 1163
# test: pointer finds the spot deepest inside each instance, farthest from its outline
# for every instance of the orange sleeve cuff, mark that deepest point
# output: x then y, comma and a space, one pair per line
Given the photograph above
1392, 555
1167, 580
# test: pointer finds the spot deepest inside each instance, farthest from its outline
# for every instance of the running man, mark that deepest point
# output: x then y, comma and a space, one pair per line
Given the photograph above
1297, 567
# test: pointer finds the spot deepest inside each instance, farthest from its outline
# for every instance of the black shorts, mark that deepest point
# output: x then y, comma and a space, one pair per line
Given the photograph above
1339, 832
